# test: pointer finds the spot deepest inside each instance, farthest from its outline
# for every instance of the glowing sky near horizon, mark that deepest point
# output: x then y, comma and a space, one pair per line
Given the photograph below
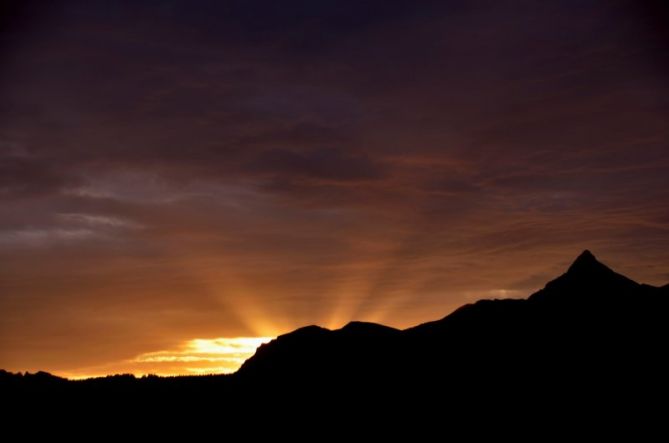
173, 170
198, 356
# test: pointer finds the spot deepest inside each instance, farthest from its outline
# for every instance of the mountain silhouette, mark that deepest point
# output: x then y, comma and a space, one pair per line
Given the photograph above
591, 334
588, 281
591, 325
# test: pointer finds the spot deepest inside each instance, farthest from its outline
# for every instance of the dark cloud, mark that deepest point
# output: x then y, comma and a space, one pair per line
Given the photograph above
321, 165
22, 176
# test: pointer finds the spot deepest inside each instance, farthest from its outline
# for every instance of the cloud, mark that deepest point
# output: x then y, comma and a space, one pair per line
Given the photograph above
22, 177
322, 165
196, 356
225, 352
44, 237
99, 221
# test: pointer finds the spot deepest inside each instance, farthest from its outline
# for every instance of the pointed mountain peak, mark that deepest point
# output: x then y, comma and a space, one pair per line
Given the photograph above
586, 266
587, 255
588, 276
585, 262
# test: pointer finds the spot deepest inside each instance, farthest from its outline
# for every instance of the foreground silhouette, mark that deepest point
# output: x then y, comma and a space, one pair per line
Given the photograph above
590, 338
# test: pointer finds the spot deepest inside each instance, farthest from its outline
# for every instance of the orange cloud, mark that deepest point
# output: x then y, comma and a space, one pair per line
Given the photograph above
196, 356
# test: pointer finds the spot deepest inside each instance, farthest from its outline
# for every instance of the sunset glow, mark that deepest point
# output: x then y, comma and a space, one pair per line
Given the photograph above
182, 179
194, 357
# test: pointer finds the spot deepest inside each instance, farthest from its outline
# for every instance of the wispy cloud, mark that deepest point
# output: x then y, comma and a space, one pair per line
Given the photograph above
95, 220
39, 237
196, 356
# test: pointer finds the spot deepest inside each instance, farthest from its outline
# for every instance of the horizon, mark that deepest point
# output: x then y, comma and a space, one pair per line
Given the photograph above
181, 180
229, 353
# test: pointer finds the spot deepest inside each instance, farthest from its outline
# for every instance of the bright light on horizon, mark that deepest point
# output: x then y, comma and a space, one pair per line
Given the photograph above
199, 356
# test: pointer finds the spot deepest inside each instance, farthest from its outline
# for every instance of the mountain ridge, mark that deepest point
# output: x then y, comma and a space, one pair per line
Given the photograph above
590, 334
574, 299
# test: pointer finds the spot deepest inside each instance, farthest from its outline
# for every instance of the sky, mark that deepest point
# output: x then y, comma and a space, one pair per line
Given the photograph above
182, 180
